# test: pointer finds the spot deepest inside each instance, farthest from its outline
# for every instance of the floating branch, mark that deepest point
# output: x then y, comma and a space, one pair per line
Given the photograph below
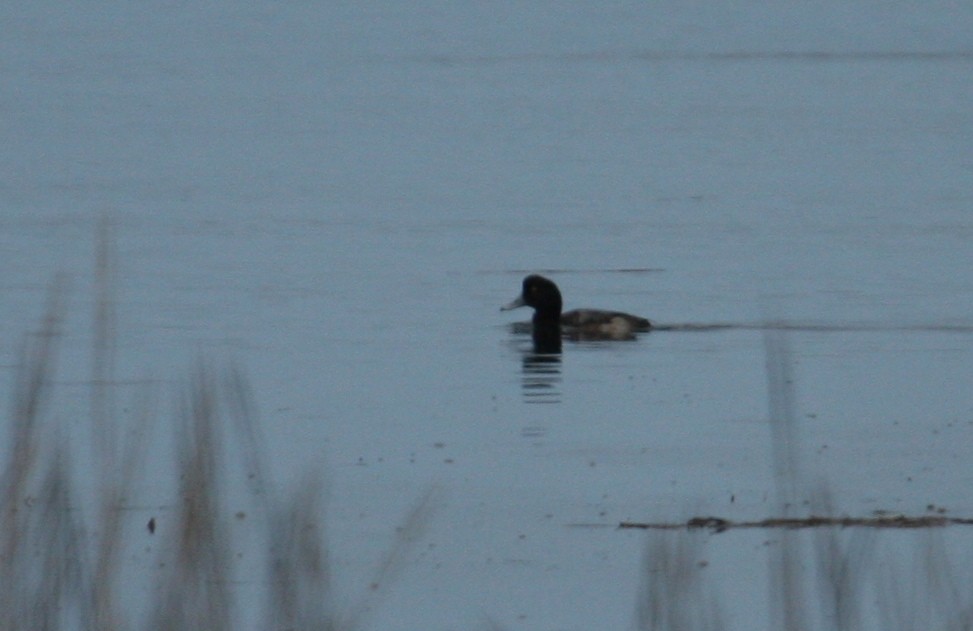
718, 524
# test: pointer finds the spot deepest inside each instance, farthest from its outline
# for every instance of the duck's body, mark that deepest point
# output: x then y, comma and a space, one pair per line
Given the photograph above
544, 296
606, 322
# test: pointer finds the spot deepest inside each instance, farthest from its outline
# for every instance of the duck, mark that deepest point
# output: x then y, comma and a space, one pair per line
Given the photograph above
544, 296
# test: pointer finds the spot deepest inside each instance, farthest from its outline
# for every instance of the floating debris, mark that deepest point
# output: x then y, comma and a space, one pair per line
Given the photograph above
718, 524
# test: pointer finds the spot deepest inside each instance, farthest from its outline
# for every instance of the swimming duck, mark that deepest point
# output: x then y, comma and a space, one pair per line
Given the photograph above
543, 295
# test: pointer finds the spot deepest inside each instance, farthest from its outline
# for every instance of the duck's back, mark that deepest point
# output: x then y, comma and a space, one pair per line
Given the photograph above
607, 321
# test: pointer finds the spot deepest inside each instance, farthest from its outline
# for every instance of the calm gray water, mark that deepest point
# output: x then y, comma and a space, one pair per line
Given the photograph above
339, 200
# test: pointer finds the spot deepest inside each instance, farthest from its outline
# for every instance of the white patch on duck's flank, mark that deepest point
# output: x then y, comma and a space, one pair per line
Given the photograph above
617, 326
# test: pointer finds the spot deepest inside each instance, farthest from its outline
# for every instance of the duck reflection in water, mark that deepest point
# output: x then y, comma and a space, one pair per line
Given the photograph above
542, 373
549, 325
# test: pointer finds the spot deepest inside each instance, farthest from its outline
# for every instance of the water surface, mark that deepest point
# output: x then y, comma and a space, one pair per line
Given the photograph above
339, 200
